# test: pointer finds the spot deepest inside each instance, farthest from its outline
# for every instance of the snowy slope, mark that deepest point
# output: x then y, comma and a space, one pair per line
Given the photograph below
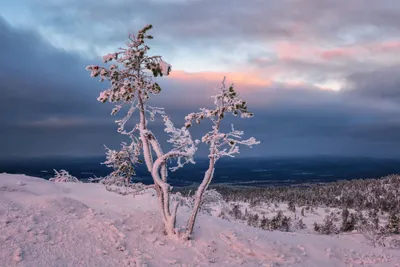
75, 224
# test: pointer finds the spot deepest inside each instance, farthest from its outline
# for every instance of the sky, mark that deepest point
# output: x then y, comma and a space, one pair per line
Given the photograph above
322, 76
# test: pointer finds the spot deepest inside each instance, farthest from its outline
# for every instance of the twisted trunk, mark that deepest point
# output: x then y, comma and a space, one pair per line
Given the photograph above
169, 216
199, 196
203, 186
147, 152
161, 186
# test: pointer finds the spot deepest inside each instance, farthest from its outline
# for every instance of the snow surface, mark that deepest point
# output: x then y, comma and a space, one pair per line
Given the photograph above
76, 224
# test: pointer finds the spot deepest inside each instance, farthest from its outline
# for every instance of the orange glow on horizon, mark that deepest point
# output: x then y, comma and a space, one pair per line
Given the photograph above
231, 77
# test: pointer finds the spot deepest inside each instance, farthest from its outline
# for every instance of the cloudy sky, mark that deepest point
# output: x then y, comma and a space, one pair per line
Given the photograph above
323, 76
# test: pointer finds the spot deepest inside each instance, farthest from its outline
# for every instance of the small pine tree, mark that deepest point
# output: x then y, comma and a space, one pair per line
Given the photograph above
327, 228
345, 214
285, 224
280, 222
291, 206
375, 221
63, 176
249, 220
301, 224
274, 224
237, 213
360, 219
393, 224
317, 227
348, 222
256, 220
132, 84
263, 223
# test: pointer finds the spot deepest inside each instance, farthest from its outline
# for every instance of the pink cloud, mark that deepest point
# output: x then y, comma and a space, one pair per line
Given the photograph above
287, 51
339, 53
361, 49
387, 47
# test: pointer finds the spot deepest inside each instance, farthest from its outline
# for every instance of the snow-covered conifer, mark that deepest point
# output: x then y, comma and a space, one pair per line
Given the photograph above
220, 144
393, 225
132, 84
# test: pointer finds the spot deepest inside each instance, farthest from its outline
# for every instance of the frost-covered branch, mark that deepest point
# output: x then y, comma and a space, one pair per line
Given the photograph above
220, 144
153, 111
131, 78
132, 84
181, 141
223, 144
228, 144
124, 160
63, 176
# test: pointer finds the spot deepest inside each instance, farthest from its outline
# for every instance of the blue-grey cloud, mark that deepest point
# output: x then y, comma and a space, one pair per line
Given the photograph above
382, 84
50, 105
200, 19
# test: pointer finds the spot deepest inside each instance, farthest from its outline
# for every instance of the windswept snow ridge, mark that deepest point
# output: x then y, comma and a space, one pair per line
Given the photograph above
77, 224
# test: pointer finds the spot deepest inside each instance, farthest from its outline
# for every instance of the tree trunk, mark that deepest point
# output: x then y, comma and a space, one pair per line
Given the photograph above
169, 217
199, 196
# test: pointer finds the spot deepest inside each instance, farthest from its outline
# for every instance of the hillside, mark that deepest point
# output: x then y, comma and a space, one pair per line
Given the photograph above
76, 224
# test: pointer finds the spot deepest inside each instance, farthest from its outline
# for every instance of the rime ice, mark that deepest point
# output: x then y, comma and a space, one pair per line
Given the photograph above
131, 85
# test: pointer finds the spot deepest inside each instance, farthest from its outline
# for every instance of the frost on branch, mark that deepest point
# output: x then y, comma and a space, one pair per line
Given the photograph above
210, 199
153, 111
131, 85
131, 79
181, 141
226, 144
63, 176
131, 76
223, 144
122, 161
119, 186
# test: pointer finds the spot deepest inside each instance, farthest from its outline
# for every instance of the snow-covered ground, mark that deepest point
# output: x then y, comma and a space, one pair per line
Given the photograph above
76, 224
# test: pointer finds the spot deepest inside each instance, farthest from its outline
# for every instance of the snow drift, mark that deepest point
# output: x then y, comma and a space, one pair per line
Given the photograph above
77, 224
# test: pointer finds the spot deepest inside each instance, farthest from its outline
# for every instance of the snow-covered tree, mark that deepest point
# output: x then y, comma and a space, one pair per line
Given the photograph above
328, 226
210, 198
236, 212
132, 84
63, 176
122, 162
220, 144
291, 206
393, 225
